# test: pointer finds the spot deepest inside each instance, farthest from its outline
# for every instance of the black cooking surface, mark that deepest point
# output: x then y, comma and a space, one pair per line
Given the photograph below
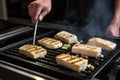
48, 64
5, 25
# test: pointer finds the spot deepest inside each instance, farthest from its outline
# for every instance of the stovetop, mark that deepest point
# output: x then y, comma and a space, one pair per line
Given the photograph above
12, 33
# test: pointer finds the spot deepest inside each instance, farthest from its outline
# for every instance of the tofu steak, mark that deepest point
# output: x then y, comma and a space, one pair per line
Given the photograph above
104, 44
74, 63
50, 43
32, 51
66, 37
87, 50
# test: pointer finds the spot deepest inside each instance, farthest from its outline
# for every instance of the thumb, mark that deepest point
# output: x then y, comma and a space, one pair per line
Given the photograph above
43, 14
41, 18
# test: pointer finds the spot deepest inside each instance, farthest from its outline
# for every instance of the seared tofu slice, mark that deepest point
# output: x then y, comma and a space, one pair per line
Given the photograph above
32, 51
66, 37
87, 50
104, 44
74, 63
50, 43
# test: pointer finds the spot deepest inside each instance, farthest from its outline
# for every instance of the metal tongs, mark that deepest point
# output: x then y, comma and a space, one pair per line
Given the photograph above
35, 30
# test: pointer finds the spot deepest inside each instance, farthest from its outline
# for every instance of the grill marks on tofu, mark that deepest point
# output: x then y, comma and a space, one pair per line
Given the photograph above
104, 44
66, 37
30, 48
50, 43
32, 51
75, 60
69, 59
87, 47
37, 51
88, 50
76, 64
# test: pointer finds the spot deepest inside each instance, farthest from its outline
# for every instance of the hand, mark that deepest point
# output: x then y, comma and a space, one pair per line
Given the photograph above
113, 30
39, 7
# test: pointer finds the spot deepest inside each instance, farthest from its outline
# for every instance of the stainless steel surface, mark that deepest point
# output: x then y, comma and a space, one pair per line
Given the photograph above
19, 73
12, 33
3, 10
22, 72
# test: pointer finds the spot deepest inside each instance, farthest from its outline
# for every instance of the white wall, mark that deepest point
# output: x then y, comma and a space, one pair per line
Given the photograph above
3, 9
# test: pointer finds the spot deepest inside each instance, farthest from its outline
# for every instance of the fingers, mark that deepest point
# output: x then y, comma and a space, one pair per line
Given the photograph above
43, 14
112, 31
34, 10
108, 33
37, 8
115, 32
31, 9
36, 13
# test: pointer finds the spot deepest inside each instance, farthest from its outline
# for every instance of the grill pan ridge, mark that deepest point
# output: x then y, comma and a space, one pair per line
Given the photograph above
47, 65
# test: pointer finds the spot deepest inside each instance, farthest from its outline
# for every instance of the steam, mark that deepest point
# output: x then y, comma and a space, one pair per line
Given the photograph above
98, 19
